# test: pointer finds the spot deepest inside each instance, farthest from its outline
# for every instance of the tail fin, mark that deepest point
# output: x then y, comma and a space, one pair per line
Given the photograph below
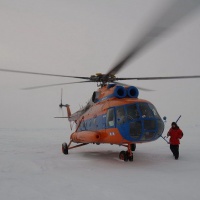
68, 111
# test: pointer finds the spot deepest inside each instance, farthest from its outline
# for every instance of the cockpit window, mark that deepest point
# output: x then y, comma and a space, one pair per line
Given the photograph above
145, 110
132, 112
110, 120
152, 107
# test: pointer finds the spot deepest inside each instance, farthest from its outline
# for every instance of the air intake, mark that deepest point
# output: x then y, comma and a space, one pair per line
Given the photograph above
132, 92
120, 92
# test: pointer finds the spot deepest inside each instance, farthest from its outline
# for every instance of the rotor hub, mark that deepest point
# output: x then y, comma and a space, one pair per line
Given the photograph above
103, 78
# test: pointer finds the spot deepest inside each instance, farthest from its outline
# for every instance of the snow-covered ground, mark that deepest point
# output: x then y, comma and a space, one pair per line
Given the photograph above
82, 38
33, 167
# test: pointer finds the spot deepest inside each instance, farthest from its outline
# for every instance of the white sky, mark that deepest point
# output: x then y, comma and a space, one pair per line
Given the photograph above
82, 38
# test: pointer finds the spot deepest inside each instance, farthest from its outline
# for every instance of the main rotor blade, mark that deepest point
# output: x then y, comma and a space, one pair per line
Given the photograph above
159, 78
43, 86
171, 16
44, 74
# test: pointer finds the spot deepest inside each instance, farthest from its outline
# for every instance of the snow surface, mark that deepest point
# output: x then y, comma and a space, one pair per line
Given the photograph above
33, 167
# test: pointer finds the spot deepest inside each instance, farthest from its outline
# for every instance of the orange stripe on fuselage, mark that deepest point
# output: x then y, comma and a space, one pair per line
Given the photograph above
111, 136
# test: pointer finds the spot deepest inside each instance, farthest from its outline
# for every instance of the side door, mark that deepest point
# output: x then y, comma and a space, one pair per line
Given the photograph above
110, 118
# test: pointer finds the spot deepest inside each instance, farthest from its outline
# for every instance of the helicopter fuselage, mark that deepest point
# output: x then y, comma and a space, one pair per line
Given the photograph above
118, 118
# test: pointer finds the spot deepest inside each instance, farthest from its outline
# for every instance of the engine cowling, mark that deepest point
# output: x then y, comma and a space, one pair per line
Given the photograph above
120, 92
132, 92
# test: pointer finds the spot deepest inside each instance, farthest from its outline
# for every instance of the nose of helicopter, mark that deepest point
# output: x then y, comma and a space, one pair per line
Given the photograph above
146, 129
142, 130
144, 126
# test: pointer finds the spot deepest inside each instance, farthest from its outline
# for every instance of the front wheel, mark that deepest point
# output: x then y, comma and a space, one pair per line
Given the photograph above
133, 147
123, 156
65, 148
130, 158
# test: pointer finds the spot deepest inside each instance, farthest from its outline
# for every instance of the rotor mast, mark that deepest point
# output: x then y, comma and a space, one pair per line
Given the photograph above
102, 79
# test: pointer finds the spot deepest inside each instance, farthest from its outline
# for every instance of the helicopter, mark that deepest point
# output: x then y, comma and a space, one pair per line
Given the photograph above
115, 114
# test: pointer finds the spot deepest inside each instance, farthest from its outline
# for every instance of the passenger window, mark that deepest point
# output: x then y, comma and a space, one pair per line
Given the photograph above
110, 120
90, 123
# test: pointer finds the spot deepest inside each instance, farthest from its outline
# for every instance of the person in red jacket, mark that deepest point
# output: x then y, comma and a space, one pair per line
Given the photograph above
175, 134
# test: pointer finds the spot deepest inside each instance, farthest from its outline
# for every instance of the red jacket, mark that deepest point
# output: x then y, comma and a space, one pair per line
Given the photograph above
175, 134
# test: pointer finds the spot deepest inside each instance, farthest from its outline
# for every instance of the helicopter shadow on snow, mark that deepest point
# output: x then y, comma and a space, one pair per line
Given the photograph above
140, 158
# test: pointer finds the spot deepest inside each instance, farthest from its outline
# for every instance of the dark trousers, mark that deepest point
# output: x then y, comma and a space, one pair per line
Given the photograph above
175, 150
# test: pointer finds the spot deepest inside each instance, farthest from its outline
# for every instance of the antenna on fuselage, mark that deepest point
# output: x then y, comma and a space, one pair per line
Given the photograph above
61, 105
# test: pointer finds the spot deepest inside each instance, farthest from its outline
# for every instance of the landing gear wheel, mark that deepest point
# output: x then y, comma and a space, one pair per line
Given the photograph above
130, 158
123, 156
65, 148
133, 147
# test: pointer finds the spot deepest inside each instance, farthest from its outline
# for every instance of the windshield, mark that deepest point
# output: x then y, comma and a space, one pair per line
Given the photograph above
132, 112
140, 121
